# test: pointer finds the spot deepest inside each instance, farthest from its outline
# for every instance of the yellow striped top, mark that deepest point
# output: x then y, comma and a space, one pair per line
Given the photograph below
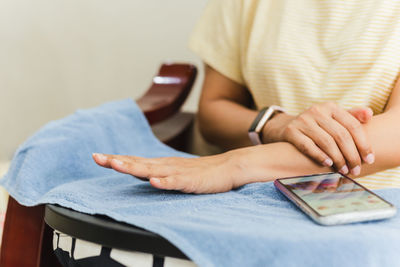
295, 53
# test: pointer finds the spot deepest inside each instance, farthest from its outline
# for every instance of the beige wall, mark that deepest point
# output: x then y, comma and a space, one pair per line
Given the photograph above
58, 55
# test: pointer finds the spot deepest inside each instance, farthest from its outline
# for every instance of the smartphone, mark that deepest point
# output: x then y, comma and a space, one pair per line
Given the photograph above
333, 198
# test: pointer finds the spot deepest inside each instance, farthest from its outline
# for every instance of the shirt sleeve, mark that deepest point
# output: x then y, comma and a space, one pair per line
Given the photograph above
216, 38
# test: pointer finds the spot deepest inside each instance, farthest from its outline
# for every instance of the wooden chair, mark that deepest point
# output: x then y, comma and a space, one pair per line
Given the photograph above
27, 236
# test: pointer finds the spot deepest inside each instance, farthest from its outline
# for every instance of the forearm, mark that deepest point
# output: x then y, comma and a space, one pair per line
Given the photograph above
225, 123
224, 115
384, 135
271, 161
276, 160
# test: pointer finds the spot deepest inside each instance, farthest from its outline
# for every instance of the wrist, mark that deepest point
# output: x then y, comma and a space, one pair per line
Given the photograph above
273, 130
251, 164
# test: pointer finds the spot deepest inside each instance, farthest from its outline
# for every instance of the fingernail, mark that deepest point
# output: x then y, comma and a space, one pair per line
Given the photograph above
344, 170
356, 170
118, 162
156, 181
370, 158
99, 156
328, 162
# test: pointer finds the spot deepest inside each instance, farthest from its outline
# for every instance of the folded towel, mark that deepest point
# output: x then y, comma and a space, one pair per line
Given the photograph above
251, 226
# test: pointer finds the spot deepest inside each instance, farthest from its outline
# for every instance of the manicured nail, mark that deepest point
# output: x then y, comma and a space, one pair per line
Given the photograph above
370, 158
356, 170
328, 162
344, 170
118, 162
99, 156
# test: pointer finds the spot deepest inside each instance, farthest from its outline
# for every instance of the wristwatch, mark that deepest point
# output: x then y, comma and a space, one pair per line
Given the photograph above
255, 131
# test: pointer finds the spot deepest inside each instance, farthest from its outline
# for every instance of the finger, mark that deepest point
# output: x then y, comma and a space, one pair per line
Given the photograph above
345, 142
327, 144
307, 146
141, 168
358, 134
104, 160
363, 115
101, 160
168, 183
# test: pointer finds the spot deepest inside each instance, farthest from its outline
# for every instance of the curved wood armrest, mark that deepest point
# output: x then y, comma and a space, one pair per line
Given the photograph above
168, 91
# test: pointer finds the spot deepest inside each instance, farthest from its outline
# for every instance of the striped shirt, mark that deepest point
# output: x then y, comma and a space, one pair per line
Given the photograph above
296, 53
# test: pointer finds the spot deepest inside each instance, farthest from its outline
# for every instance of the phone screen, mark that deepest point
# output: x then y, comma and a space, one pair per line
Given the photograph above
332, 193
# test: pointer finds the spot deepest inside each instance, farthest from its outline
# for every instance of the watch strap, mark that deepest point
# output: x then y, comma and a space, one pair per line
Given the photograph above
259, 122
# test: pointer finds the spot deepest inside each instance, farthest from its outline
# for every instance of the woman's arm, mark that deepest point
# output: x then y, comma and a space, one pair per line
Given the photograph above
223, 172
224, 111
283, 159
232, 169
325, 132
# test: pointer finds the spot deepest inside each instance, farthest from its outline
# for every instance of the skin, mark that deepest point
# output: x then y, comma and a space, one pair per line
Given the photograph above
328, 134
281, 157
325, 132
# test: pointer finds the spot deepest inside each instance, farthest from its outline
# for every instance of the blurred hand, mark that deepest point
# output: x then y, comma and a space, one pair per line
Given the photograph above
327, 133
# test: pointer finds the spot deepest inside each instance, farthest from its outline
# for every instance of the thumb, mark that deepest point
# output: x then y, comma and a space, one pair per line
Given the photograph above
363, 115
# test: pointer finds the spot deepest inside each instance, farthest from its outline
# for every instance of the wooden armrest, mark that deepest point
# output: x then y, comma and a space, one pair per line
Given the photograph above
162, 101
168, 91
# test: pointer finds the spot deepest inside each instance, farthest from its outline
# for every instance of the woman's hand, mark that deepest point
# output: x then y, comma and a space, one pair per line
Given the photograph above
327, 133
213, 174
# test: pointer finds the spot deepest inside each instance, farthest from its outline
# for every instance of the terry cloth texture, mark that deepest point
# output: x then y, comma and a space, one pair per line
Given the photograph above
251, 226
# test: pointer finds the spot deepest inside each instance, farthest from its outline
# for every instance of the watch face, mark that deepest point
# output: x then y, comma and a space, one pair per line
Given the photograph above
257, 120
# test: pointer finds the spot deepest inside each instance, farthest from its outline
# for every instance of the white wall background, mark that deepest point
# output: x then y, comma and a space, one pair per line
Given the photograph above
60, 55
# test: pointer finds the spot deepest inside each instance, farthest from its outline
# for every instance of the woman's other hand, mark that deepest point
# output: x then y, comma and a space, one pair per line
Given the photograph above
213, 174
327, 133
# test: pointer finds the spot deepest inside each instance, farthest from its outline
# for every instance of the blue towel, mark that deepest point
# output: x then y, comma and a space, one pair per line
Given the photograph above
251, 226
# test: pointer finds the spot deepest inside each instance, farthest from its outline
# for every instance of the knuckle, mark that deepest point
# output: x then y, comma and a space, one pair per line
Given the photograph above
168, 182
303, 147
326, 143
302, 119
342, 136
315, 109
150, 169
289, 130
189, 187
129, 165
168, 170
130, 161
132, 158
331, 105
356, 126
